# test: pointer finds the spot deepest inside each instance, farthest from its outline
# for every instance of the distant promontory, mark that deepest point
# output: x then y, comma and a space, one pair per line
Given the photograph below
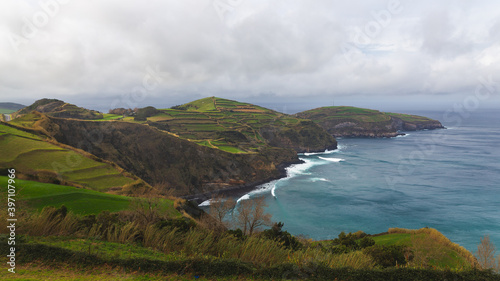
347, 121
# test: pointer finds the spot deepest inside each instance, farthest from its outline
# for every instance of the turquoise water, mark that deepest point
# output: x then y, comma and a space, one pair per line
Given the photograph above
444, 179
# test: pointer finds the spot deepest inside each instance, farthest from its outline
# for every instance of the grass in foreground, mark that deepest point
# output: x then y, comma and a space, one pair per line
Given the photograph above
172, 247
58, 272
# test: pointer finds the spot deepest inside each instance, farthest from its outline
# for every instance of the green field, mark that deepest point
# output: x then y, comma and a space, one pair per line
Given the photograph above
78, 200
435, 247
30, 154
107, 117
408, 117
81, 201
330, 115
342, 113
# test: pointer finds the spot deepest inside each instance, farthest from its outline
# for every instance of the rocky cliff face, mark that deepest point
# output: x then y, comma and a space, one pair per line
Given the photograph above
303, 137
353, 128
167, 161
401, 125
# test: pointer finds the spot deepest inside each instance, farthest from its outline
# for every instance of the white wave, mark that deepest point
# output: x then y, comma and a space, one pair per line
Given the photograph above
402, 136
244, 197
320, 153
291, 171
205, 203
332, 159
263, 188
319, 179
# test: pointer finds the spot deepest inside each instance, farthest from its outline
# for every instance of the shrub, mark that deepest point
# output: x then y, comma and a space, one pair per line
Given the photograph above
386, 256
143, 113
346, 243
366, 242
238, 233
286, 239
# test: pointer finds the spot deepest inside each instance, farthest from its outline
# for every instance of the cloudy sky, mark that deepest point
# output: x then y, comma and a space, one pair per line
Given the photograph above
283, 54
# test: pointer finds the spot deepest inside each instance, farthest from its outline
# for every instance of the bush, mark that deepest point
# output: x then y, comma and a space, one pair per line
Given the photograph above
366, 242
386, 256
238, 233
346, 243
143, 113
286, 239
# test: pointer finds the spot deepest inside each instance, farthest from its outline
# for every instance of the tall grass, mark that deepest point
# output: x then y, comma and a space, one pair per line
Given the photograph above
193, 243
355, 260
50, 221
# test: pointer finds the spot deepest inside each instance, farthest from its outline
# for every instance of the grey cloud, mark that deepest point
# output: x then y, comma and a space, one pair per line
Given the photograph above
259, 49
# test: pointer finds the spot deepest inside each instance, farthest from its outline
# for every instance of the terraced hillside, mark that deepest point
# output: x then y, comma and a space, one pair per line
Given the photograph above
36, 158
238, 127
347, 121
202, 146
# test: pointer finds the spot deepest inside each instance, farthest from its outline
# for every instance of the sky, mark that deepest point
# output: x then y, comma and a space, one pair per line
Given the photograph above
288, 55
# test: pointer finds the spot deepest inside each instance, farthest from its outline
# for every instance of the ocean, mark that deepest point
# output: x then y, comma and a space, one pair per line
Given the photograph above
444, 179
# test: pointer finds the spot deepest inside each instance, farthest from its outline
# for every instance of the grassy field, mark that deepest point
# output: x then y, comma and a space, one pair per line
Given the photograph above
438, 250
107, 117
6, 111
78, 200
81, 201
408, 117
345, 112
30, 154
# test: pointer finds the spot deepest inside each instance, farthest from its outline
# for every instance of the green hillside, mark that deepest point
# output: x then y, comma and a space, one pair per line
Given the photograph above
438, 250
201, 146
361, 122
238, 127
58, 108
9, 107
42, 160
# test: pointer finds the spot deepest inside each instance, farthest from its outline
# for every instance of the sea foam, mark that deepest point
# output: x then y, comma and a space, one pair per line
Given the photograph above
332, 159
205, 203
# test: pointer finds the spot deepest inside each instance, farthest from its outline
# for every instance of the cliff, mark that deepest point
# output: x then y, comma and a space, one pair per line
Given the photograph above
166, 161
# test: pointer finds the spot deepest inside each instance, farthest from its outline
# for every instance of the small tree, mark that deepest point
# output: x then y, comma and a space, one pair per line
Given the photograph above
486, 253
220, 207
146, 210
251, 215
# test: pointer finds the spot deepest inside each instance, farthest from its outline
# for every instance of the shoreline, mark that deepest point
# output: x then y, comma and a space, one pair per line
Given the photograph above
240, 190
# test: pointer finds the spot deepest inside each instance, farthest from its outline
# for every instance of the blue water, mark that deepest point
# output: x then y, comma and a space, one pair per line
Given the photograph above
444, 179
